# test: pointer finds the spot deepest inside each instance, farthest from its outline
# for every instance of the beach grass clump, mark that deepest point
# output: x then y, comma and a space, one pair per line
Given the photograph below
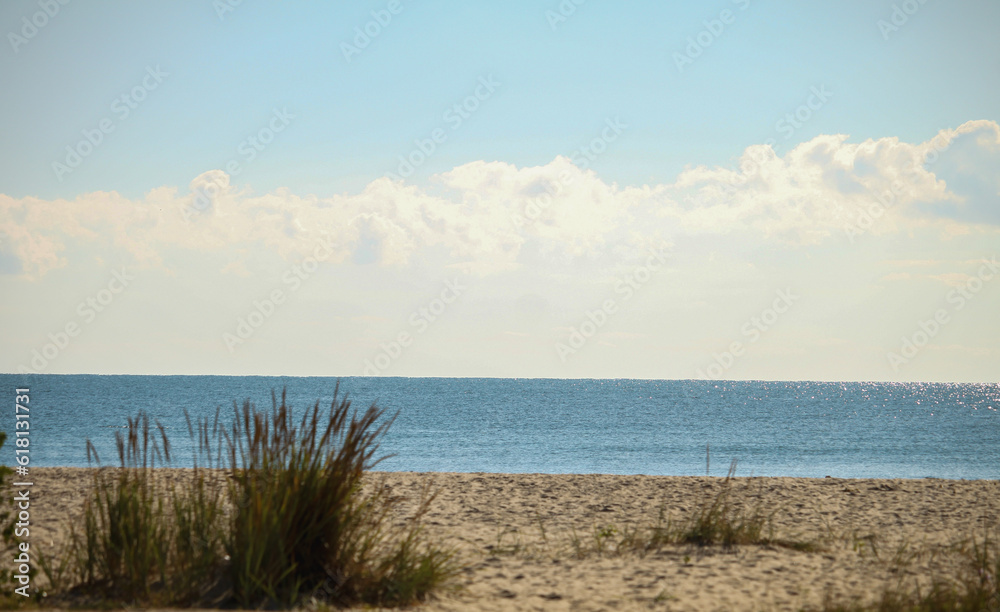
304, 524
141, 539
274, 514
124, 547
725, 523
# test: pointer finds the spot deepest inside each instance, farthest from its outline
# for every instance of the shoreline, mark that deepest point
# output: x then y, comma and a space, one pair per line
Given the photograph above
559, 474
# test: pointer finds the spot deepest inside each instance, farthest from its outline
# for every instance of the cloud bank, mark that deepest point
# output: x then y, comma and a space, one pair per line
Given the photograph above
483, 217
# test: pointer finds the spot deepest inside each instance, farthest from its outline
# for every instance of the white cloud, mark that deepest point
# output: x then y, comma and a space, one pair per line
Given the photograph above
481, 216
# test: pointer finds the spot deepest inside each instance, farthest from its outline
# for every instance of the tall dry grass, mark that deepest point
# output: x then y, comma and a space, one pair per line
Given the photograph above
290, 520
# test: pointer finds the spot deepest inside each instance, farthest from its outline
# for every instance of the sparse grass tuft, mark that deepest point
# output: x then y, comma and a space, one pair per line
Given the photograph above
124, 550
727, 523
975, 589
721, 522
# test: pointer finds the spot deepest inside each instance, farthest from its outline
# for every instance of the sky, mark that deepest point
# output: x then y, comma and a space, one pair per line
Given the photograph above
734, 189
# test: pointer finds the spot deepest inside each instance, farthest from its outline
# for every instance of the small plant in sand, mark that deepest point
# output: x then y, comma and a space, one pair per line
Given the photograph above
284, 521
720, 521
723, 522
976, 588
729, 523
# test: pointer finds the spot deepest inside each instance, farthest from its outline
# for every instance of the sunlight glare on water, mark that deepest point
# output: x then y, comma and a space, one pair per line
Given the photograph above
616, 426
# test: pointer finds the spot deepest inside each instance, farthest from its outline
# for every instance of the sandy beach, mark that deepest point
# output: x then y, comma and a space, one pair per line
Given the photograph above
550, 542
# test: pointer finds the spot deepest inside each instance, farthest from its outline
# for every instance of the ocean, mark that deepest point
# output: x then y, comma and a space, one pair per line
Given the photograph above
619, 426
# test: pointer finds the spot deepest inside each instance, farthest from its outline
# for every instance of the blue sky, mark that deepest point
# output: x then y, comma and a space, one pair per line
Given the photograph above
354, 118
672, 174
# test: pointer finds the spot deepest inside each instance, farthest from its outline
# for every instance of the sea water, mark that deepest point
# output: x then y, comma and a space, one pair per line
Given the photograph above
619, 426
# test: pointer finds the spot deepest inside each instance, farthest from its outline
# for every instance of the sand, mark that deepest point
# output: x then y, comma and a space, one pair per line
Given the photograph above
515, 535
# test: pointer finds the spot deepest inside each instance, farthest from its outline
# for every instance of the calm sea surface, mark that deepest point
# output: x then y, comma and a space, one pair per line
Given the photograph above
886, 430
